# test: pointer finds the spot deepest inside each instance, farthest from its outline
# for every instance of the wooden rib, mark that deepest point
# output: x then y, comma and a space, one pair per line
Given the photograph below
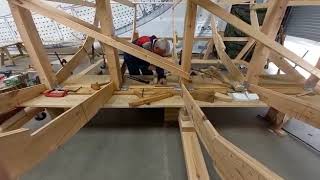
270, 27
33, 44
285, 66
209, 49
75, 2
195, 164
231, 162
313, 80
292, 106
235, 73
12, 99
245, 49
66, 70
90, 30
134, 34
104, 14
257, 35
19, 119
189, 28
20, 150
254, 18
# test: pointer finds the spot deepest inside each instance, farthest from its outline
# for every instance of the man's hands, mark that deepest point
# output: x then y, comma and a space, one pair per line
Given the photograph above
152, 67
162, 81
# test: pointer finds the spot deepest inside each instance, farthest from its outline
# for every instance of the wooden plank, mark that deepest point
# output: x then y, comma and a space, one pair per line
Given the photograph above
250, 44
90, 30
209, 49
75, 2
257, 35
7, 53
20, 150
270, 27
285, 66
19, 119
189, 29
231, 162
135, 34
313, 80
294, 107
254, 18
235, 73
150, 99
104, 14
12, 99
195, 164
33, 44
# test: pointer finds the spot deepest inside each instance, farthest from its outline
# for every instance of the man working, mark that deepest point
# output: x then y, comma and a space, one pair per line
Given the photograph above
135, 65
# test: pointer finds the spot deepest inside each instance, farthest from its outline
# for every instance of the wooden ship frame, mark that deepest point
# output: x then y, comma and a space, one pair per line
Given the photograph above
22, 149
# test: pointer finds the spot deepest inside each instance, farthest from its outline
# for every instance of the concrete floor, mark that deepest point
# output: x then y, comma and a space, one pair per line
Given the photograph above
121, 144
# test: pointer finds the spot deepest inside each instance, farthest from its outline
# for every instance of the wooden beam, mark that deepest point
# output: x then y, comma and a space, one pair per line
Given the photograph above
104, 14
250, 44
150, 99
229, 160
257, 35
313, 80
292, 106
135, 34
254, 18
90, 30
75, 2
33, 44
195, 164
20, 150
19, 119
12, 99
189, 28
235, 73
209, 49
285, 66
67, 69
270, 27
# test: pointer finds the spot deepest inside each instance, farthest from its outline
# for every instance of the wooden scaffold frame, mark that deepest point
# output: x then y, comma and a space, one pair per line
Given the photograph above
22, 149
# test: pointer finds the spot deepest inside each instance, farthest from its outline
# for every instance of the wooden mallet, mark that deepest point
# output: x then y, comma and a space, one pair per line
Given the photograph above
97, 86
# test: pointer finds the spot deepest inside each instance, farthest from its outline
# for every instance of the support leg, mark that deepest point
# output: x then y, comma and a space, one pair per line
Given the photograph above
2, 59
277, 120
7, 53
19, 47
171, 114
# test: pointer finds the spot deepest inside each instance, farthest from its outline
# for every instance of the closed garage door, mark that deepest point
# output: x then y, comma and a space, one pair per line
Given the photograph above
304, 22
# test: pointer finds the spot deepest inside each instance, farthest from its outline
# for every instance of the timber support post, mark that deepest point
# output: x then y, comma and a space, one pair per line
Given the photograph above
189, 29
104, 14
33, 44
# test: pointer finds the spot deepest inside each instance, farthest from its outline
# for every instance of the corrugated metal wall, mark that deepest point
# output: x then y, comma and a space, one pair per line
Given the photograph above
304, 22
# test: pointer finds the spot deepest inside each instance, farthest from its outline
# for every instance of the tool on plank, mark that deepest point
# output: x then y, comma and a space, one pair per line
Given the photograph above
62, 61
97, 86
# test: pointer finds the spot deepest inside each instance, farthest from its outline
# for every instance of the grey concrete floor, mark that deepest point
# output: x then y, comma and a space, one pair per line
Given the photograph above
121, 144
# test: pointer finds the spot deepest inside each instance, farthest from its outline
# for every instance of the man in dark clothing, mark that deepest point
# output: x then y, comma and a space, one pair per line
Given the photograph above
135, 65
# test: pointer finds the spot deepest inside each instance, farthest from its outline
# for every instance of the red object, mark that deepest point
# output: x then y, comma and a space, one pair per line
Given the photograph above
143, 39
55, 93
